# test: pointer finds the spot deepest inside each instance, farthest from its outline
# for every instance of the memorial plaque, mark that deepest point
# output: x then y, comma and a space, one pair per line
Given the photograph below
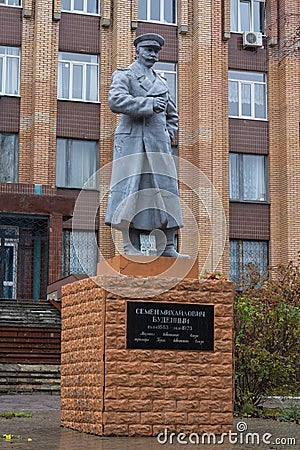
172, 326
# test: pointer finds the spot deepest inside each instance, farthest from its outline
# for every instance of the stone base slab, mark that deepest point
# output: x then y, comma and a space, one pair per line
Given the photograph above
149, 266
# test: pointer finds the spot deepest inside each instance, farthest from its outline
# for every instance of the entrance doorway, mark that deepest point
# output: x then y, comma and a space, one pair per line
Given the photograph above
9, 238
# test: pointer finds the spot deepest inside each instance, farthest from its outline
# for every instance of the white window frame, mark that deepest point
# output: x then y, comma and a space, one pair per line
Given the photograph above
5, 3
161, 13
162, 72
84, 11
84, 64
252, 85
240, 176
4, 58
239, 30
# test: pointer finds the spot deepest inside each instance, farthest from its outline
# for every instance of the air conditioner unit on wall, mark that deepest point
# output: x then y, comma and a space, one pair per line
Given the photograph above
252, 39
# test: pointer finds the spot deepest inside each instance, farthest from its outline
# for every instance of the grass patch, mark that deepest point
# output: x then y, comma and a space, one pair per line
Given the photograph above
283, 413
12, 414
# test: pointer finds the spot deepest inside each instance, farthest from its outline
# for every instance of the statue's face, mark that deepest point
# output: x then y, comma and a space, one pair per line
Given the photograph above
147, 55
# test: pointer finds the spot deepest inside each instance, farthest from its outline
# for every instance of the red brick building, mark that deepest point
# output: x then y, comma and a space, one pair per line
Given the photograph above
233, 67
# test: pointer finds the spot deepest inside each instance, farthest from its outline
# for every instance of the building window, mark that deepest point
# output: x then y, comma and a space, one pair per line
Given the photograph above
243, 253
9, 70
248, 177
24, 255
80, 252
76, 162
169, 72
8, 158
81, 6
247, 95
247, 15
157, 10
11, 2
78, 77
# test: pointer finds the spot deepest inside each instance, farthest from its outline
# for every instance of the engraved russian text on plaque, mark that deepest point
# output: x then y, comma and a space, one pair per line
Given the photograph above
173, 326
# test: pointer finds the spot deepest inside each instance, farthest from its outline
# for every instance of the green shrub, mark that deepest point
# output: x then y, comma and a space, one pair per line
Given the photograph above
290, 413
267, 338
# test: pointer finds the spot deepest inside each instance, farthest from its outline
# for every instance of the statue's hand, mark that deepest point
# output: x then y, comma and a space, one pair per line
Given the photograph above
159, 104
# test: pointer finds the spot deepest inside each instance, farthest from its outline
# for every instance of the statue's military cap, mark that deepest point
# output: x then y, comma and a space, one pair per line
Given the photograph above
149, 40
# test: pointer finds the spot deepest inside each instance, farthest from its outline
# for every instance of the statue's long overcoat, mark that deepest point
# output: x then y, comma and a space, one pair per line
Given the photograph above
144, 188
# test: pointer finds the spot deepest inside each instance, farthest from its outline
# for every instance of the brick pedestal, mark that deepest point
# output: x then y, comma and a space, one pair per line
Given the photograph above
108, 389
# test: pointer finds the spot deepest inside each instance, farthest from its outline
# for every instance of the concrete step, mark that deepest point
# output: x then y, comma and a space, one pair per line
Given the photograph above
29, 378
28, 313
30, 389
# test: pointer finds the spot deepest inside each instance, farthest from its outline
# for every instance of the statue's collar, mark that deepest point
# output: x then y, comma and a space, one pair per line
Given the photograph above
138, 70
158, 86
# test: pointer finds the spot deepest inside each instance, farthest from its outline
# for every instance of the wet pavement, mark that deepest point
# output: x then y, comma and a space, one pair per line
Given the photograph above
45, 433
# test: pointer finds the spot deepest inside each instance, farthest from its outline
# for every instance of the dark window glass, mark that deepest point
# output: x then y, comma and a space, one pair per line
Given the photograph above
170, 11
77, 81
66, 5
248, 177
246, 99
233, 98
80, 252
155, 10
92, 6
259, 16
142, 10
245, 16
1, 73
243, 254
8, 158
260, 101
234, 15
76, 162
78, 5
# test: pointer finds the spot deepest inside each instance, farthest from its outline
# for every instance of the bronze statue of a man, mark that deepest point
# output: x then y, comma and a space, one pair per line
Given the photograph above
144, 189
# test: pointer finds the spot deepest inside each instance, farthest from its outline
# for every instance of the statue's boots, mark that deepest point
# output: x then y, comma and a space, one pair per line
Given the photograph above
131, 242
170, 248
